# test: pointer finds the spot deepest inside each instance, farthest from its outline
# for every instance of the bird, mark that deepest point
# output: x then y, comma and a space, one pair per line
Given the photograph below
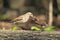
23, 18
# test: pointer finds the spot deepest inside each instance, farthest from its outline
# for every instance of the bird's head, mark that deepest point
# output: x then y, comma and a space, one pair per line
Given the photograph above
30, 14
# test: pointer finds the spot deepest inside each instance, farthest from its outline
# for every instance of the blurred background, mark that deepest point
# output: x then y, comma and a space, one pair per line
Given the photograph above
10, 9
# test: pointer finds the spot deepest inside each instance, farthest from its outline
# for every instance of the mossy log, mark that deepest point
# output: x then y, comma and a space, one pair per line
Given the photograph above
28, 35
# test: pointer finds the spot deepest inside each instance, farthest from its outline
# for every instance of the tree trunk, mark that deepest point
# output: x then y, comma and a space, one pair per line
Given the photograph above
50, 12
28, 35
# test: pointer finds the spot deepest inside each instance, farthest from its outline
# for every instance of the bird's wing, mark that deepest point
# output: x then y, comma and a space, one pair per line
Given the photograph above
18, 18
22, 18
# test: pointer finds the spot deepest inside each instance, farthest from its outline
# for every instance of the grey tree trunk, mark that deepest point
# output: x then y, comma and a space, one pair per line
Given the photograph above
50, 12
58, 3
28, 35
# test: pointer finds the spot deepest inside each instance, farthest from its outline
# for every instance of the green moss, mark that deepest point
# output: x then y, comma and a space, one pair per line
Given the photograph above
49, 28
15, 28
35, 28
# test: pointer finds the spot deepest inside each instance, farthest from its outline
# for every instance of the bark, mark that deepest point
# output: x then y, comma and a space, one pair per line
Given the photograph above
50, 13
28, 35
58, 4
